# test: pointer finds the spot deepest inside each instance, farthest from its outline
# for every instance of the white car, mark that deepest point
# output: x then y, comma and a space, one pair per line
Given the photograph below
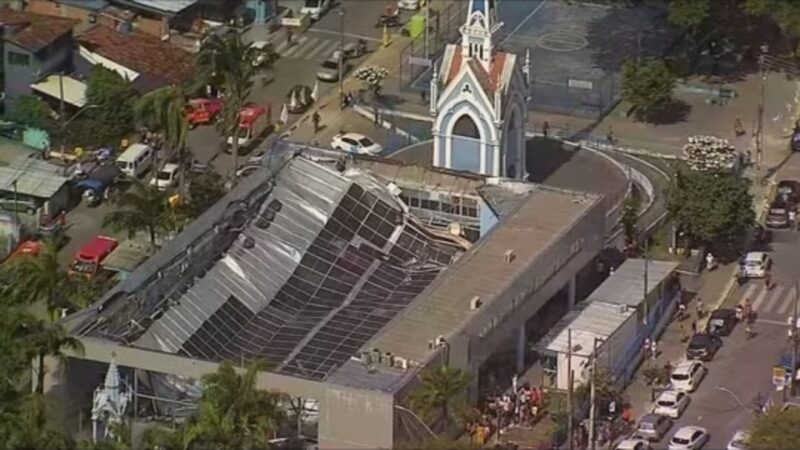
671, 404
411, 5
633, 444
687, 376
166, 178
315, 8
688, 438
755, 265
355, 143
264, 49
738, 441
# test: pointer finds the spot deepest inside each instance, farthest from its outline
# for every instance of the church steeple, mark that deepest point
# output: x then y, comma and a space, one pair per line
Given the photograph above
478, 31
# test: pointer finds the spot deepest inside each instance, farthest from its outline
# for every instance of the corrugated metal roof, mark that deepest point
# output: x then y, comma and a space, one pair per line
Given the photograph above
444, 307
595, 320
626, 285
170, 6
32, 183
74, 90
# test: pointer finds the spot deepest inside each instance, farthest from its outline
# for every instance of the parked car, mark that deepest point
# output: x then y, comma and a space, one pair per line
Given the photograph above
253, 119
299, 99
756, 265
88, 259
166, 178
788, 191
315, 8
738, 441
721, 321
633, 444
703, 346
329, 69
355, 143
411, 5
265, 52
653, 427
671, 403
202, 111
688, 438
687, 375
778, 215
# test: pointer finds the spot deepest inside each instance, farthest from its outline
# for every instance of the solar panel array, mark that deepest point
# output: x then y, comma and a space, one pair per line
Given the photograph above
365, 266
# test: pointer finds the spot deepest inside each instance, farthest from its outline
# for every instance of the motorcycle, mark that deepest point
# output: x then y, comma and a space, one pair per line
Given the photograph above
390, 21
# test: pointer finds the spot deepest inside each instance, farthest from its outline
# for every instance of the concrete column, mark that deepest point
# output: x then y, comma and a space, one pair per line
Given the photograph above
522, 340
571, 292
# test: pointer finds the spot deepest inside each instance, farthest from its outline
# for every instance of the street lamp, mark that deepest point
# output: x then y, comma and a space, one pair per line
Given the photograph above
734, 396
341, 57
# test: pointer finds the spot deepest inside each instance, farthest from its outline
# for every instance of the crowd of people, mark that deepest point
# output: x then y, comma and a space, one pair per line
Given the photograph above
519, 406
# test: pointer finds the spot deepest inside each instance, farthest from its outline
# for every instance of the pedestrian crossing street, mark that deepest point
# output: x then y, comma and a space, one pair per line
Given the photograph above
779, 299
309, 47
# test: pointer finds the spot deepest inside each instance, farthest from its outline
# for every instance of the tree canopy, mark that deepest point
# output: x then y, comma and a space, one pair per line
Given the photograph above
440, 390
689, 15
110, 117
776, 430
711, 206
785, 13
31, 111
647, 86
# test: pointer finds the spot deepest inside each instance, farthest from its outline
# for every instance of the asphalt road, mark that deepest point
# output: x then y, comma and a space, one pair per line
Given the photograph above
297, 64
744, 367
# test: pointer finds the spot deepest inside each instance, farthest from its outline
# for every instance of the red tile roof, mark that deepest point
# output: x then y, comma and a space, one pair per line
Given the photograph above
33, 31
489, 81
140, 52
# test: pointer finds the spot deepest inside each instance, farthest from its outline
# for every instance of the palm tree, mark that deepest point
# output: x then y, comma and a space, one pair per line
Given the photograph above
49, 340
233, 413
231, 62
142, 208
39, 280
439, 389
165, 109
30, 430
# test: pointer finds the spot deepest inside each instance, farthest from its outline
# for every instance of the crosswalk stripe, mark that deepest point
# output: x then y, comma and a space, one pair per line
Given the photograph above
761, 296
776, 294
787, 303
321, 46
288, 49
748, 294
301, 48
281, 46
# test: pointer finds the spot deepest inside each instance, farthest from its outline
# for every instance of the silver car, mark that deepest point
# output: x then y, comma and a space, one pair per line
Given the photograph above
653, 427
329, 71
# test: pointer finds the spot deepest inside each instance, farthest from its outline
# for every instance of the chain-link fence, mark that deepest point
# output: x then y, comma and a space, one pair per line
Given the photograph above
588, 98
442, 30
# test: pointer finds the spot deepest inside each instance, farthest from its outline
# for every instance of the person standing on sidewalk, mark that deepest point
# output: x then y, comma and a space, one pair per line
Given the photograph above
767, 281
699, 308
315, 119
654, 349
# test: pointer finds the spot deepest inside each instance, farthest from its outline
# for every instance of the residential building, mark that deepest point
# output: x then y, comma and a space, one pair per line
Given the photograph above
34, 46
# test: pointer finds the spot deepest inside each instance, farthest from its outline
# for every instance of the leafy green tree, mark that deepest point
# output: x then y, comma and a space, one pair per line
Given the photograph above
49, 340
776, 430
111, 118
142, 208
647, 86
204, 191
630, 215
32, 111
231, 62
786, 13
165, 109
233, 413
39, 280
689, 15
31, 430
711, 206
439, 390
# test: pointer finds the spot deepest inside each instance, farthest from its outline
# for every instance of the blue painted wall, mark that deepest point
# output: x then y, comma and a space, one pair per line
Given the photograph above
466, 154
18, 78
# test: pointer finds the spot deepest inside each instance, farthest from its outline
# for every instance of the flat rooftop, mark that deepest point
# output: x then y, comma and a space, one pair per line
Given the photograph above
445, 306
626, 285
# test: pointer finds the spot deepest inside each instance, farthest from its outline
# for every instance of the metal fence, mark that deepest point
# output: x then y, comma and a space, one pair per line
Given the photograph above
588, 98
442, 30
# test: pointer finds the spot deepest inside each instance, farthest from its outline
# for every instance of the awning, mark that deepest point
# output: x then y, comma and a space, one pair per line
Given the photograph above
74, 90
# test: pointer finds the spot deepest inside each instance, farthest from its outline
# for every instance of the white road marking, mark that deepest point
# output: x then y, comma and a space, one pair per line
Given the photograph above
748, 294
777, 291
771, 322
532, 13
760, 299
788, 302
298, 50
350, 35
323, 50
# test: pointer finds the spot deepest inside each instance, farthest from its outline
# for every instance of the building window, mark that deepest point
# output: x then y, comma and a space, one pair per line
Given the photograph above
19, 59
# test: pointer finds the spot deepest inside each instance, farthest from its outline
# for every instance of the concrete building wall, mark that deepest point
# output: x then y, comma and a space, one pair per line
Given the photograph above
58, 9
19, 77
354, 419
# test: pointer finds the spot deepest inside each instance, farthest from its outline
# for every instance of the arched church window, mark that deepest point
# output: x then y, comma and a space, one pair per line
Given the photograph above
465, 126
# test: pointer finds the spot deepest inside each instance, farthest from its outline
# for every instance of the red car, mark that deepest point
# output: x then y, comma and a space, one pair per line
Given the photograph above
89, 258
202, 111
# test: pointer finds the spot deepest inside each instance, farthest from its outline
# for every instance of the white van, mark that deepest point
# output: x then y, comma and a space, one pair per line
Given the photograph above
315, 8
135, 161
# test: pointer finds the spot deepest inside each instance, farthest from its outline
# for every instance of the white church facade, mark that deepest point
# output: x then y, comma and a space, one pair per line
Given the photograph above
478, 100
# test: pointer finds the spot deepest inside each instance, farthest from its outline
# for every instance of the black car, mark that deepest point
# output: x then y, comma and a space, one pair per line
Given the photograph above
703, 346
788, 191
721, 322
299, 99
778, 215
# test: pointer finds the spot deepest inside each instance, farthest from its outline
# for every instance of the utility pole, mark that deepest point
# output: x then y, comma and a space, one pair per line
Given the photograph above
794, 340
341, 57
646, 287
570, 411
762, 63
593, 395
16, 203
427, 28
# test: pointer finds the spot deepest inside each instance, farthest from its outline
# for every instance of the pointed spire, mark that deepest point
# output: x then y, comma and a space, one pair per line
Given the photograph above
112, 376
434, 100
